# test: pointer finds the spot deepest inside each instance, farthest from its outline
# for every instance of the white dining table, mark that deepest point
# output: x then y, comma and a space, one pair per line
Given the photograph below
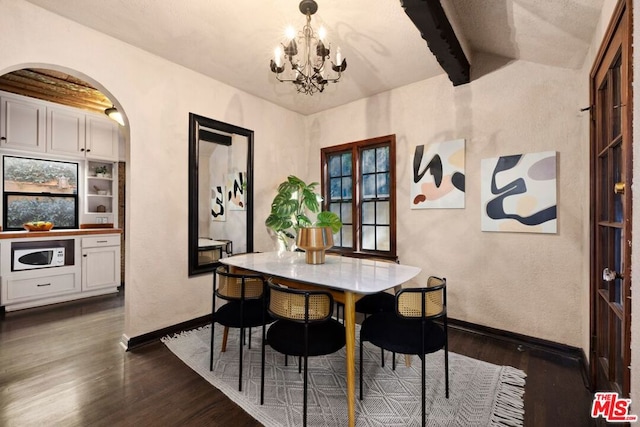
348, 279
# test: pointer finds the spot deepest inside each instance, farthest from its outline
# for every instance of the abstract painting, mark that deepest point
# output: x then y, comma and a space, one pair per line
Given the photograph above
519, 193
236, 186
438, 175
218, 203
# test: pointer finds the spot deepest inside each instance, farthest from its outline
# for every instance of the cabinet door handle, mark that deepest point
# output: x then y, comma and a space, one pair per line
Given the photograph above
82, 149
101, 241
88, 149
85, 255
43, 284
3, 138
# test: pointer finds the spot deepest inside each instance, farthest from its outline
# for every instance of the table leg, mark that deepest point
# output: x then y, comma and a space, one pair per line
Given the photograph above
350, 329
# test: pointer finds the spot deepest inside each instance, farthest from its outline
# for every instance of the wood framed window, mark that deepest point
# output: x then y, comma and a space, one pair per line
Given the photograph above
359, 185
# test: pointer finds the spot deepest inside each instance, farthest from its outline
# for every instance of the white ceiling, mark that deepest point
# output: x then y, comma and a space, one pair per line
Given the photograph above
233, 40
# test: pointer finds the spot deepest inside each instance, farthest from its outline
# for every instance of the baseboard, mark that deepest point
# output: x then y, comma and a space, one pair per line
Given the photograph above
562, 350
150, 337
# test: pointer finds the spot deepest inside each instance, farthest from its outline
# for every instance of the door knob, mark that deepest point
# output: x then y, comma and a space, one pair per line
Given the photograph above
610, 275
618, 188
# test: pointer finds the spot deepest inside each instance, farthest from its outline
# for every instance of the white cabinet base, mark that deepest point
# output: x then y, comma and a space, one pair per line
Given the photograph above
59, 299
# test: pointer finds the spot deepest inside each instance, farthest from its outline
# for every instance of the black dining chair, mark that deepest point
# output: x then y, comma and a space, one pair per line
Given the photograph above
418, 326
303, 327
244, 293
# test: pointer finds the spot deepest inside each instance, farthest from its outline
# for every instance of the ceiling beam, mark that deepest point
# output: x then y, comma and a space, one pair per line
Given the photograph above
434, 26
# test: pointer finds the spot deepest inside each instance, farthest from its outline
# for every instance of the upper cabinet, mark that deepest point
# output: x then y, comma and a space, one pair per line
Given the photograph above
34, 125
22, 123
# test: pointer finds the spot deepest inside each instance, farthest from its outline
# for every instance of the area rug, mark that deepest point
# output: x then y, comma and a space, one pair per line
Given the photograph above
480, 393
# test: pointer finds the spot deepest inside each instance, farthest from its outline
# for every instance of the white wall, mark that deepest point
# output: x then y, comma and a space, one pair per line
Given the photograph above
156, 97
531, 284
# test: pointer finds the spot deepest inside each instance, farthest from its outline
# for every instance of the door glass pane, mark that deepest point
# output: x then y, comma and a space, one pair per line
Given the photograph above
336, 188
617, 177
346, 213
602, 113
603, 243
616, 117
334, 166
619, 366
617, 253
603, 183
346, 164
603, 328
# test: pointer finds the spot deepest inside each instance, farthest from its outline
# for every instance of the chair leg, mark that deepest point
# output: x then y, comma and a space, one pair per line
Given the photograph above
249, 339
225, 335
304, 401
446, 370
424, 384
382, 357
393, 360
262, 366
299, 364
240, 361
361, 366
211, 353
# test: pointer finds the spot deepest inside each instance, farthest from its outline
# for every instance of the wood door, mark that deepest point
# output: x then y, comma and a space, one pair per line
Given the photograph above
611, 176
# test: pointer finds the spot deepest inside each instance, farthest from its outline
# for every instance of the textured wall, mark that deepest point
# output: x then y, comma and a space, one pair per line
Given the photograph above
533, 284
156, 96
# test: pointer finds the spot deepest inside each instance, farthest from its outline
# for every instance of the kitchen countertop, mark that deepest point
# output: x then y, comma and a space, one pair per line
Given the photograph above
58, 233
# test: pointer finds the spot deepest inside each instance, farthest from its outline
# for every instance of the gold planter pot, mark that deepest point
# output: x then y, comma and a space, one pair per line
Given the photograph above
315, 241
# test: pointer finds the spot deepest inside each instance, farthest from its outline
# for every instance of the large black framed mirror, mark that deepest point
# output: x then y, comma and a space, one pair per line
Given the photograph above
220, 192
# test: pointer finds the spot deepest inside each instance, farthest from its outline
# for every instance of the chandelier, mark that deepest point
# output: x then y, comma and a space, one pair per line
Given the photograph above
309, 73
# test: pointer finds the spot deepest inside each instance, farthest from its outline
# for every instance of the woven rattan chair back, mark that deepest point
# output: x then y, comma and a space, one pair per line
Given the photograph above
429, 302
238, 285
299, 305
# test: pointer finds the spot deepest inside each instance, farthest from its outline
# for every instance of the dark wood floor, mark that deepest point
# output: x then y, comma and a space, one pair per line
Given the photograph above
63, 366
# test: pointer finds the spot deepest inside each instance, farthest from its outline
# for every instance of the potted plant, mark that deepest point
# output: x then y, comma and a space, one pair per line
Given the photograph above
101, 171
290, 211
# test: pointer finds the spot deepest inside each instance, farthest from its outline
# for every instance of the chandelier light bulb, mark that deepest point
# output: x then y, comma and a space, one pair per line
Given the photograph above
322, 33
338, 56
277, 56
290, 33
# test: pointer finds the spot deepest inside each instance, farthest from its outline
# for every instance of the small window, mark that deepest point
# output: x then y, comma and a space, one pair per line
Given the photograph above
39, 190
359, 186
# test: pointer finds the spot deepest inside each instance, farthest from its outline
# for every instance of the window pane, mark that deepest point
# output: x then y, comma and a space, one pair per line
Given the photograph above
40, 176
368, 237
336, 188
382, 213
346, 164
347, 236
60, 210
347, 188
382, 159
382, 184
369, 161
369, 186
368, 213
334, 166
346, 213
383, 239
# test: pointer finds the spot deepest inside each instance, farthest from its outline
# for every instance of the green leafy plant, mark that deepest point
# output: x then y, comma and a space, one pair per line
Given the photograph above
291, 207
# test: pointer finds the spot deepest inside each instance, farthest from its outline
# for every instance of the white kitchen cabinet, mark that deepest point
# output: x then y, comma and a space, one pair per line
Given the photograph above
100, 262
65, 131
22, 123
91, 268
101, 138
29, 124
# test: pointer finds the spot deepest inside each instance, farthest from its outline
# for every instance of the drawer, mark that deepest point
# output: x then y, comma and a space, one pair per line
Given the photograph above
98, 241
20, 289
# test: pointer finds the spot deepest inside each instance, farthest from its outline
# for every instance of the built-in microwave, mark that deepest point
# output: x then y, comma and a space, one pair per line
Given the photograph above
28, 259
